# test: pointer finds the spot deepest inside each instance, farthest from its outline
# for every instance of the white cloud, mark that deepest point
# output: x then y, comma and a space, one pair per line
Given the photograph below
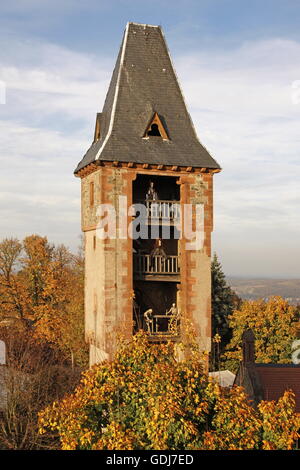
45, 127
53, 80
241, 103
38, 192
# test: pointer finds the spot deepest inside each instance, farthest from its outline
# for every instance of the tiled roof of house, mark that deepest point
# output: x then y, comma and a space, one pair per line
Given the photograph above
266, 381
144, 83
275, 379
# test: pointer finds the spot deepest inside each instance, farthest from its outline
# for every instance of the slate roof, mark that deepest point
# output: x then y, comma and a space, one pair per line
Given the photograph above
144, 82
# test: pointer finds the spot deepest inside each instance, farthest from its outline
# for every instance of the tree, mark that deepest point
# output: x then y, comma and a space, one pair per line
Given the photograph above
280, 424
41, 288
34, 376
224, 300
10, 250
274, 324
236, 425
11, 298
146, 399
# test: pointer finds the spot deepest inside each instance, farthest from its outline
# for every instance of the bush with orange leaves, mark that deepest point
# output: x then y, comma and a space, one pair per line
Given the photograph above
146, 399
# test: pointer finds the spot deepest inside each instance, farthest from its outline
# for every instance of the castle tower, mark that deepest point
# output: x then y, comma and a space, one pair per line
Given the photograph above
145, 151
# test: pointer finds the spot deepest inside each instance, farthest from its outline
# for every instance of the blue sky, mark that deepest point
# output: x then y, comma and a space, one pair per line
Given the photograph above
237, 63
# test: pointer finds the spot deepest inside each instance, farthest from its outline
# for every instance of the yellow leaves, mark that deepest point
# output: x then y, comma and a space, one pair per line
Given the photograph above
45, 289
237, 425
202, 408
87, 437
280, 422
274, 325
115, 438
141, 401
217, 338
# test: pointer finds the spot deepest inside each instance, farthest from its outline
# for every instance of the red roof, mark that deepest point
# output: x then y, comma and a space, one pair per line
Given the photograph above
277, 378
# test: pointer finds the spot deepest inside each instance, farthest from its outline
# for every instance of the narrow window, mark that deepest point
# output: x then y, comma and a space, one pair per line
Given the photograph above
92, 194
94, 242
97, 128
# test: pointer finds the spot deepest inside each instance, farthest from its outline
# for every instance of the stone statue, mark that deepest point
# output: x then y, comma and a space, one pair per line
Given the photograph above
151, 194
174, 314
172, 311
148, 317
157, 251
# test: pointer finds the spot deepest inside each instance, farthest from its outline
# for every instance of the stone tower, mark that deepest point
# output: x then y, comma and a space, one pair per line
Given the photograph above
145, 151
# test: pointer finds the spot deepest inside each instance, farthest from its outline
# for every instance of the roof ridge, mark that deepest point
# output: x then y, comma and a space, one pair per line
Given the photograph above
143, 24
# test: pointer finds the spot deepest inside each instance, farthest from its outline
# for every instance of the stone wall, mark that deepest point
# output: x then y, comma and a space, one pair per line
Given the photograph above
108, 263
195, 289
108, 267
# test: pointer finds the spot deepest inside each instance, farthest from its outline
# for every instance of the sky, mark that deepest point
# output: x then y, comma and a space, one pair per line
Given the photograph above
238, 65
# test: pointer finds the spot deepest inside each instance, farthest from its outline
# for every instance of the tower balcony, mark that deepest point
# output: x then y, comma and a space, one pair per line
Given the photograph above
163, 328
156, 268
162, 211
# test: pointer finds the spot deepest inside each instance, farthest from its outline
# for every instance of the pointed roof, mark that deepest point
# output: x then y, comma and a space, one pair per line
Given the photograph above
144, 84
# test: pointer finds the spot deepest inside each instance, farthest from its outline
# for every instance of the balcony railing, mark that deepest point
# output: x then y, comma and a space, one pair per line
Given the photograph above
169, 210
163, 326
147, 264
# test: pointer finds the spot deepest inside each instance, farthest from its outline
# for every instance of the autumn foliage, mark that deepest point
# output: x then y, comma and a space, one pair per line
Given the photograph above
274, 323
35, 376
41, 292
146, 399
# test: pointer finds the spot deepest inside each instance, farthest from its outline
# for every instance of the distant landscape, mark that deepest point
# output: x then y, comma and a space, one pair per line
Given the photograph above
252, 289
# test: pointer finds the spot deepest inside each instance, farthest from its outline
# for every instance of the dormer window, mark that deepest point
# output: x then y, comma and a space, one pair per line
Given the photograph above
97, 127
156, 128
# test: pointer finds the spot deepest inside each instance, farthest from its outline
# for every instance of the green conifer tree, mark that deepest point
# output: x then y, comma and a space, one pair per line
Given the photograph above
224, 301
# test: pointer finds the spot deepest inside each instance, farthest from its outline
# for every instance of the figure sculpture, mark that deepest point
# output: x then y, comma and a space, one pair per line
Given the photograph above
148, 317
158, 252
174, 314
151, 194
